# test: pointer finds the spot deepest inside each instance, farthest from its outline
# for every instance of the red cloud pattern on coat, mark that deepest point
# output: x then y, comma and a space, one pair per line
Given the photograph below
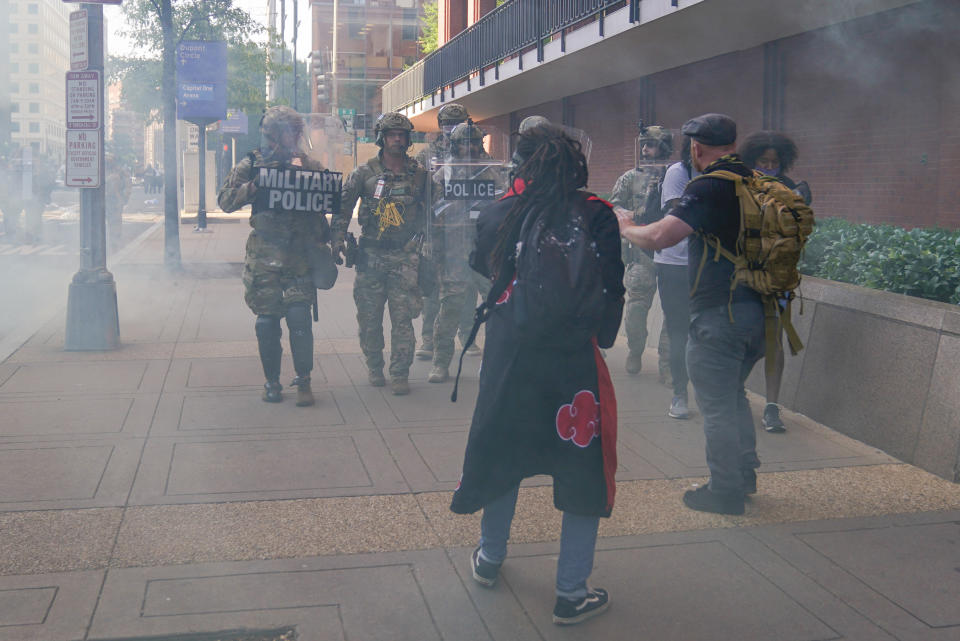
579, 421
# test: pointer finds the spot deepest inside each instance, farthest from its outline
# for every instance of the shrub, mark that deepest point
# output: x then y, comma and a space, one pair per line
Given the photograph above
922, 262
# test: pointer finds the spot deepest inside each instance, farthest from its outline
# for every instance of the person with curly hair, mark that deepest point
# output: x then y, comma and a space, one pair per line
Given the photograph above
773, 153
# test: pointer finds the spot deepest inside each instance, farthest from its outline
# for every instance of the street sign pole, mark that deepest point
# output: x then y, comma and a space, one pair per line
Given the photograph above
92, 318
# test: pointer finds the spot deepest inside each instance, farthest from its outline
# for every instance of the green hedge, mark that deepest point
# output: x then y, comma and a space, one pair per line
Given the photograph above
917, 262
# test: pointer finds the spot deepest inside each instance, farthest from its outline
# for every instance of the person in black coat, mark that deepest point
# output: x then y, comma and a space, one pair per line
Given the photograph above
545, 406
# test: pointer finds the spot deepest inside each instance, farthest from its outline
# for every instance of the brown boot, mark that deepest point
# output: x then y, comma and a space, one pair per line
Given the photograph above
375, 376
399, 386
304, 393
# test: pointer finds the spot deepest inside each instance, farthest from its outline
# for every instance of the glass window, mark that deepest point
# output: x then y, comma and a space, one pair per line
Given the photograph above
14, 47
34, 127
13, 7
15, 127
13, 27
14, 67
14, 107
33, 47
34, 107
33, 67
33, 28
33, 8
34, 87
14, 87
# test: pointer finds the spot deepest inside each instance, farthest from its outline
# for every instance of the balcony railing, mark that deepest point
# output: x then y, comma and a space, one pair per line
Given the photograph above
503, 32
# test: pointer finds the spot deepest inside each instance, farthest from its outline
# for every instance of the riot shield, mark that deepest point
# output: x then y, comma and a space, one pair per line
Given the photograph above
472, 174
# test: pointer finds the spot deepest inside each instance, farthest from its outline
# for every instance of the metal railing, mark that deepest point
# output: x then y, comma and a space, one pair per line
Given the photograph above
403, 89
507, 30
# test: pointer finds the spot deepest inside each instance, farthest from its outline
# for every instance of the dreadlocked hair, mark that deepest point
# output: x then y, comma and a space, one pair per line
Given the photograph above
552, 169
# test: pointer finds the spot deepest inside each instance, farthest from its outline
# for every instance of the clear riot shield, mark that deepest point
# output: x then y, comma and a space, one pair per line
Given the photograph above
473, 173
327, 141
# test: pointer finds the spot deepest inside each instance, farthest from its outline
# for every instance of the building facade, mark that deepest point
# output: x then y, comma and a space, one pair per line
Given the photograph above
39, 48
867, 89
374, 41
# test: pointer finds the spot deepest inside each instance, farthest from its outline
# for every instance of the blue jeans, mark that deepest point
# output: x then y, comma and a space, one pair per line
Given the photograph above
578, 538
720, 355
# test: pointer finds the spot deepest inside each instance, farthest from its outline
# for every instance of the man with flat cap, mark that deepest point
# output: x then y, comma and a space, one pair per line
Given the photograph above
726, 327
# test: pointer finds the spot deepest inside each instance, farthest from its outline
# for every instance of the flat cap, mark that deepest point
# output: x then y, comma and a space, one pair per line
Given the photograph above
714, 130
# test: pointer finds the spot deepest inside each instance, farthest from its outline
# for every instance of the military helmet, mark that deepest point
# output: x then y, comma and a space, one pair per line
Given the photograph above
281, 119
532, 121
658, 135
452, 114
466, 132
391, 120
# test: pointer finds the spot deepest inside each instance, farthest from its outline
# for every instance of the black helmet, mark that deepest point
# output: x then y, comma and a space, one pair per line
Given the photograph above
391, 120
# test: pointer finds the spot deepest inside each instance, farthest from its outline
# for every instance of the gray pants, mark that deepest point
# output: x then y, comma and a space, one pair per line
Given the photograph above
720, 355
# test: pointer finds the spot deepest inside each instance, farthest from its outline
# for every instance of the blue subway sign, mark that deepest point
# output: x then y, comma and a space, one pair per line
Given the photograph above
201, 80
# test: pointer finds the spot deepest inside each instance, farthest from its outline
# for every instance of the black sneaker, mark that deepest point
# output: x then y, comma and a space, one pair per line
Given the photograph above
484, 572
703, 499
771, 419
567, 612
749, 482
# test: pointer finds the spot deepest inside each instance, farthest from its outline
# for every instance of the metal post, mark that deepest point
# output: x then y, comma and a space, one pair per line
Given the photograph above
202, 162
92, 318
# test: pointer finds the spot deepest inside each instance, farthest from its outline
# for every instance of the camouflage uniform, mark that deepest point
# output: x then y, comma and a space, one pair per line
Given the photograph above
454, 233
630, 192
387, 271
449, 115
277, 277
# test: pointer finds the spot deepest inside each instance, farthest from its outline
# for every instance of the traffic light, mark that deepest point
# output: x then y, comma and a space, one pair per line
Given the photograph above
322, 88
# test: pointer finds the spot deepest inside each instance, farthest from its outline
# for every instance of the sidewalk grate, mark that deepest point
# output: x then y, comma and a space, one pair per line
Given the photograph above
281, 634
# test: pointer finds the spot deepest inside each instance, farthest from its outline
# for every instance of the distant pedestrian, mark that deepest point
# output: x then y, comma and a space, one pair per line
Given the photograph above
773, 153
546, 403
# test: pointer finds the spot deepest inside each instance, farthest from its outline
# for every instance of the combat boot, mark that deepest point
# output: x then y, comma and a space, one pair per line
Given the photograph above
425, 351
438, 374
271, 392
304, 393
375, 376
633, 362
399, 386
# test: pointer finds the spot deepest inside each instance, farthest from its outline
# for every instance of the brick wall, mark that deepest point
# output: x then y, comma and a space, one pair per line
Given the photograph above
873, 104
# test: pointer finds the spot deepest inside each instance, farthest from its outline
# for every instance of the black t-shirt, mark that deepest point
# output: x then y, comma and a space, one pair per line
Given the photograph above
710, 205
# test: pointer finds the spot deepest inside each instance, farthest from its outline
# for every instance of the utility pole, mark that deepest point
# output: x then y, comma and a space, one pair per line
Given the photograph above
92, 318
283, 42
296, 28
336, 54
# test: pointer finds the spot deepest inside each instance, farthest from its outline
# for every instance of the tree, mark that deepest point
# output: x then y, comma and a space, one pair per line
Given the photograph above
429, 39
179, 20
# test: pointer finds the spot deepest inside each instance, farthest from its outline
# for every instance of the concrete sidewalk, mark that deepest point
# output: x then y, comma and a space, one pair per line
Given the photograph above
148, 492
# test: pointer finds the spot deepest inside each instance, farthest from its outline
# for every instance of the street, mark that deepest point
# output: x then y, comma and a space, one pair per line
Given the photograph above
36, 277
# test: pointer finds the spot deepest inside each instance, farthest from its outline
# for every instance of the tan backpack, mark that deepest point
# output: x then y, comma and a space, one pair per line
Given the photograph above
774, 226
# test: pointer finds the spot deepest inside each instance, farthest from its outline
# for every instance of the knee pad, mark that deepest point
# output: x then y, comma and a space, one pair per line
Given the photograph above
298, 319
268, 328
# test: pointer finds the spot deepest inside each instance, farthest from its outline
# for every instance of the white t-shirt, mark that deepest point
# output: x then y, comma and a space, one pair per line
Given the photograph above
674, 182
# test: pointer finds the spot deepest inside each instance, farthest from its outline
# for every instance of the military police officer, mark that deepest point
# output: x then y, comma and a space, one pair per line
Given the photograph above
392, 188
276, 271
449, 116
632, 191
453, 233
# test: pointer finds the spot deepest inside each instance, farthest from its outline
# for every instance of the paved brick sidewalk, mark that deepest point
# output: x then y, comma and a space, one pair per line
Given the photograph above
148, 492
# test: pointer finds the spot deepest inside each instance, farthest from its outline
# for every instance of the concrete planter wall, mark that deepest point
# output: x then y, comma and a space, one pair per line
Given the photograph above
882, 368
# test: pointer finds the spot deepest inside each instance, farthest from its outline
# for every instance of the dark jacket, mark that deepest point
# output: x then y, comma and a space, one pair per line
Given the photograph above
542, 410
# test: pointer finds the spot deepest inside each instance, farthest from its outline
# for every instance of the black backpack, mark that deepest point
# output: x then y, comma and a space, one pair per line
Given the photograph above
556, 292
